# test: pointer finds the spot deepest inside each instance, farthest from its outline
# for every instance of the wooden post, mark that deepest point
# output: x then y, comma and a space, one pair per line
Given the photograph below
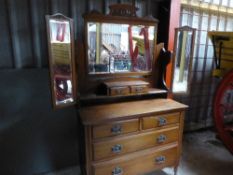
174, 23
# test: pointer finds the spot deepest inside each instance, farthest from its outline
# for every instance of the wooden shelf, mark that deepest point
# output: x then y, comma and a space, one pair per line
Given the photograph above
92, 99
117, 111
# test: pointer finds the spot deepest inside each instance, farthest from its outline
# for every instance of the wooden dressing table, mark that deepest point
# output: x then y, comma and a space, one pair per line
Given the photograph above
130, 127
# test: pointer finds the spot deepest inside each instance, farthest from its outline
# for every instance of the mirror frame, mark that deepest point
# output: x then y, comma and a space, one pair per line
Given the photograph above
177, 30
61, 17
123, 17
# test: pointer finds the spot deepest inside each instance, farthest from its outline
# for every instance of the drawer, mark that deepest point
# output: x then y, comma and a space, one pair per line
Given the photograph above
117, 128
137, 163
138, 89
128, 144
160, 120
113, 91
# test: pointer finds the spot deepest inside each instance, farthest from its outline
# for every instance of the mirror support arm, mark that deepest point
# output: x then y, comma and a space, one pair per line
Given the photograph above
163, 60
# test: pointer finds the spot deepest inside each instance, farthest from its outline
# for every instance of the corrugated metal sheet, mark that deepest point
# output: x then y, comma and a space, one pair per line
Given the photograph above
23, 42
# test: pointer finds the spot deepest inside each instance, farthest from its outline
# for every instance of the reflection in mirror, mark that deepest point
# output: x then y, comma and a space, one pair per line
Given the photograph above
61, 58
119, 47
183, 59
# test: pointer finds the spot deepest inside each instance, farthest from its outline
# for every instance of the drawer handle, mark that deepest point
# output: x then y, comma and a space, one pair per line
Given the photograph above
162, 121
116, 129
162, 138
138, 89
117, 171
117, 148
160, 159
119, 91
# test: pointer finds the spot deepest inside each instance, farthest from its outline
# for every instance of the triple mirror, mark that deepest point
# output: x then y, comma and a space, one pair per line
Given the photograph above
119, 46
182, 64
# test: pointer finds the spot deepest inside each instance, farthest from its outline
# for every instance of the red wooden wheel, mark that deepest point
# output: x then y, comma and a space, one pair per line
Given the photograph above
223, 110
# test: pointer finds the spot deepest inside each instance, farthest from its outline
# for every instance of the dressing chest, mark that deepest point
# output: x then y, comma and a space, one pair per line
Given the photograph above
129, 125
132, 138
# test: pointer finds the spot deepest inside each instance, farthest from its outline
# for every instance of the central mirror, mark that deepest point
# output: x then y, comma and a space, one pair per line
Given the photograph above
119, 44
119, 47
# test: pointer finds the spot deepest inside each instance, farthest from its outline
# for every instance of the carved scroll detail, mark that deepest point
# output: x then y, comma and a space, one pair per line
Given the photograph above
126, 10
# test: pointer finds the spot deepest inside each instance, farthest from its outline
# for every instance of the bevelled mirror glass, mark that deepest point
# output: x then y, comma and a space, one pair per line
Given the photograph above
183, 56
61, 59
116, 48
119, 44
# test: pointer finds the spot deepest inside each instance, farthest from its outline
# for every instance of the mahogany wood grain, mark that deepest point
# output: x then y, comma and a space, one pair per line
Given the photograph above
106, 130
128, 144
138, 163
118, 111
154, 121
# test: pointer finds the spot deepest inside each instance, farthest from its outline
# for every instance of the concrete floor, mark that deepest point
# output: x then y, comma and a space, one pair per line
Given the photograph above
202, 154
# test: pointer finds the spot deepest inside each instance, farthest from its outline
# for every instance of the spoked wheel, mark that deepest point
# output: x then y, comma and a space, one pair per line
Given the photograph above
223, 110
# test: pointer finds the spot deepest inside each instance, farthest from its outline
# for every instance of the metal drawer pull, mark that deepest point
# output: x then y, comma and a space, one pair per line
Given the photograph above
160, 159
162, 121
116, 129
117, 148
119, 91
117, 171
162, 138
139, 89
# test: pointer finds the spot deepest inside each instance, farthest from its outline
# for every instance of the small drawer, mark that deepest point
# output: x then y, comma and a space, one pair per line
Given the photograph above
114, 91
116, 128
128, 144
160, 120
138, 89
137, 163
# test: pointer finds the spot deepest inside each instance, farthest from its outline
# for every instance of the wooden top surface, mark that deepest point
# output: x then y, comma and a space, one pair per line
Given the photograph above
112, 112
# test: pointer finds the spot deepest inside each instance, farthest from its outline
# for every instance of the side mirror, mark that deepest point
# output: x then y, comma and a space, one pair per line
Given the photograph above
183, 57
61, 59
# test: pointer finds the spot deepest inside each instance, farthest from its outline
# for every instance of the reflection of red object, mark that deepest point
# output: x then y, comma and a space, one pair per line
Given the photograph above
144, 31
62, 87
133, 53
61, 29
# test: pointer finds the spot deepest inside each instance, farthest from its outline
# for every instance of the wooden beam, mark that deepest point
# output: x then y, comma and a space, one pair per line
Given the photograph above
174, 23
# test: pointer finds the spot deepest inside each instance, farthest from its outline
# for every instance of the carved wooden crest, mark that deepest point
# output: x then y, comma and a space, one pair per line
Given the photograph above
127, 10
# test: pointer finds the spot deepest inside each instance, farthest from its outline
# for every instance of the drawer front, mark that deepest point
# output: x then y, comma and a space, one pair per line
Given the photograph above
119, 91
127, 144
138, 89
115, 128
137, 165
160, 120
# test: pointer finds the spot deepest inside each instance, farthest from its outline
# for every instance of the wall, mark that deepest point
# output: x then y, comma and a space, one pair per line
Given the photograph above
34, 138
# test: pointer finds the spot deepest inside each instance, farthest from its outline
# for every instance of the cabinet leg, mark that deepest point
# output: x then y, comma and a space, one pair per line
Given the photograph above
175, 170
